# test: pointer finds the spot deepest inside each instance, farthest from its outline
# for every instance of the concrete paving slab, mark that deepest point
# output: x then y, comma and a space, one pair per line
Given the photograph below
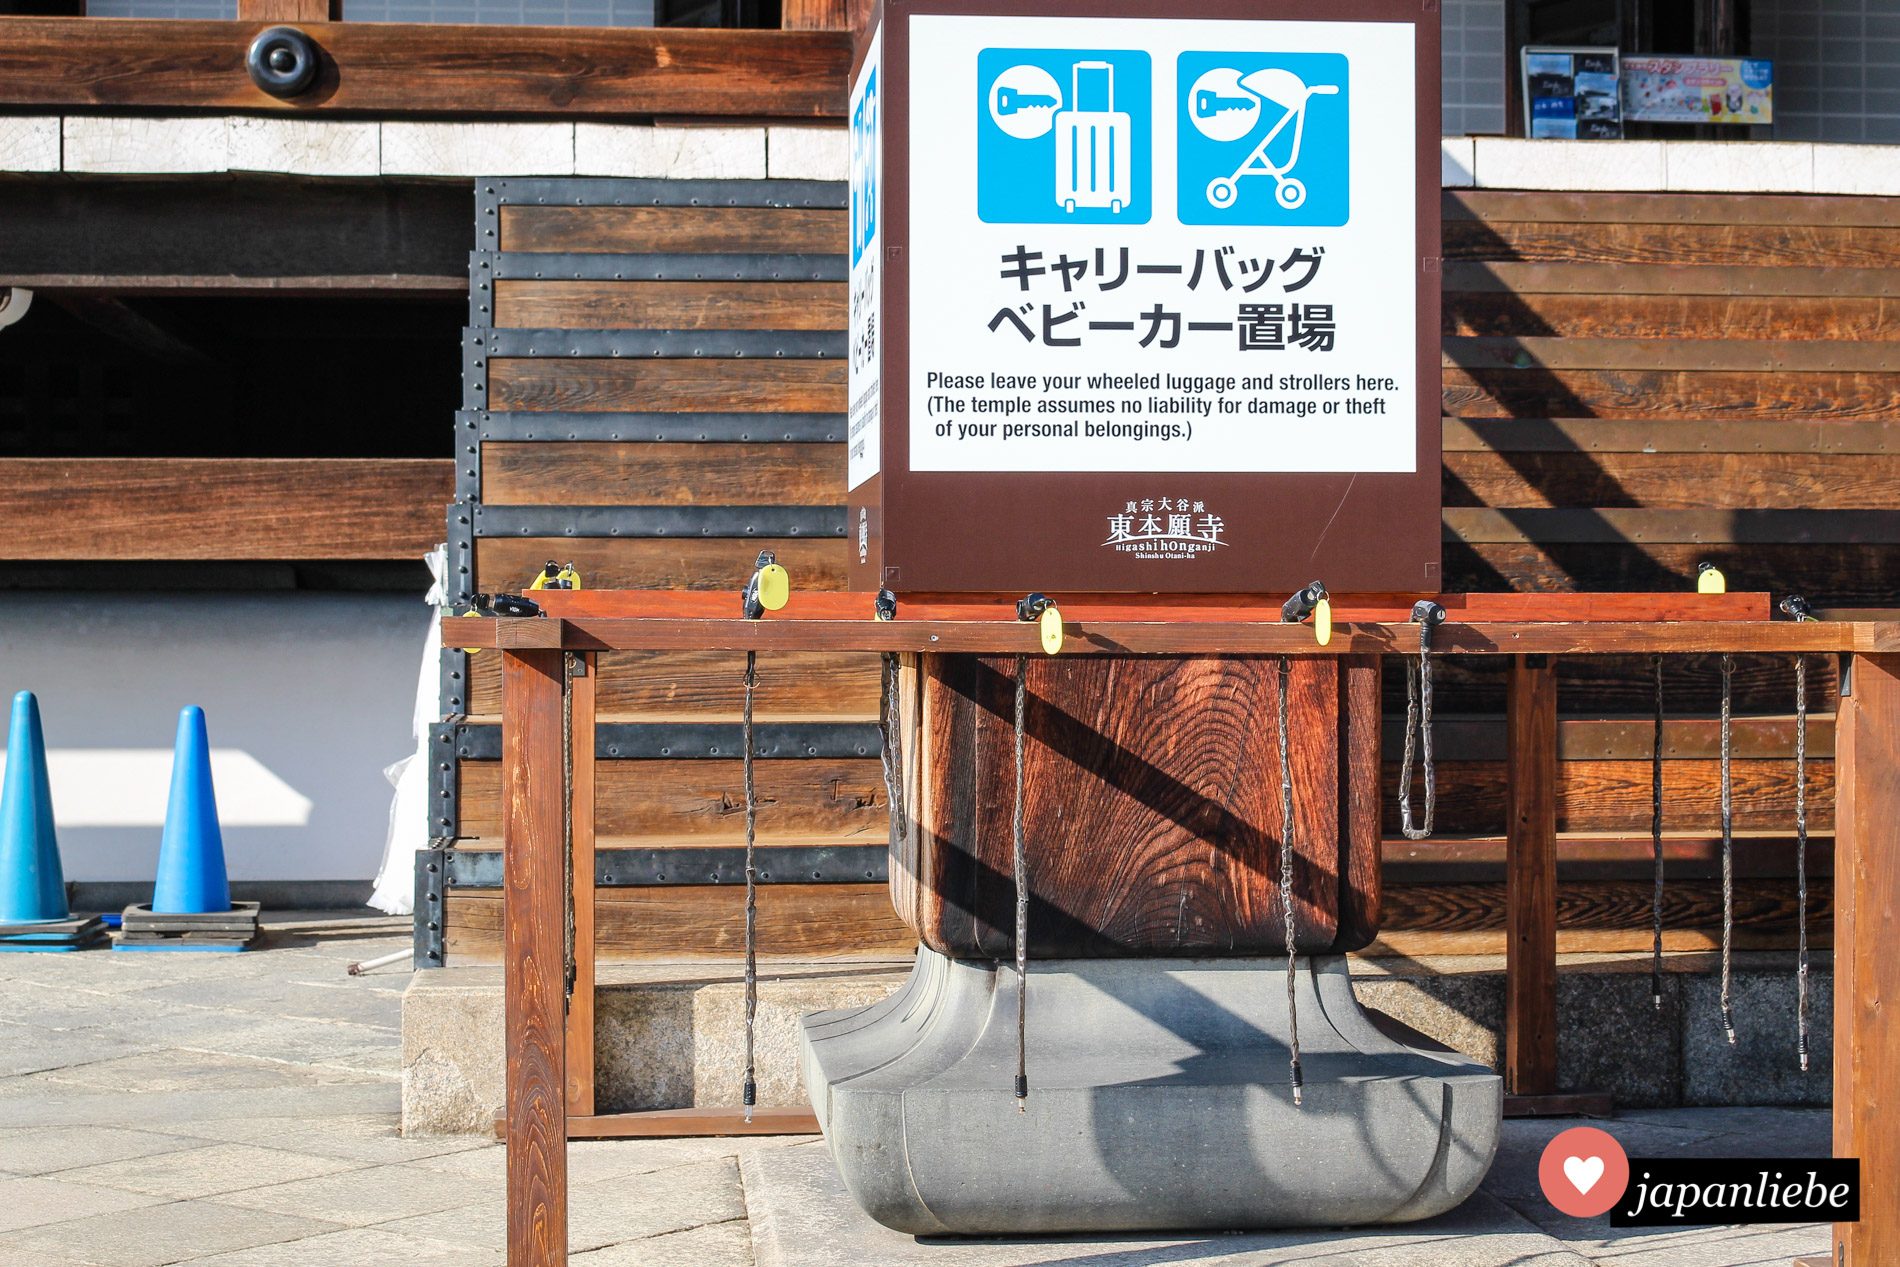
30, 1202
177, 1231
356, 1247
341, 1001
178, 1109
725, 1244
600, 1214
46, 1150
801, 1216
38, 1048
175, 1069
366, 1137
360, 1198
208, 1171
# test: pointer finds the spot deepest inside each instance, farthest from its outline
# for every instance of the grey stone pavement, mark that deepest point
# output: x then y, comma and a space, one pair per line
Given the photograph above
242, 1110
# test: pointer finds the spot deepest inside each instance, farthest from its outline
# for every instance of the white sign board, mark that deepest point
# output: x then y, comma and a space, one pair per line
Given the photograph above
1159, 245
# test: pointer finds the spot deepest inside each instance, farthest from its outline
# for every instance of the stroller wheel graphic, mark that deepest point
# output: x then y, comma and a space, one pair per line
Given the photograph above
1290, 194
1222, 191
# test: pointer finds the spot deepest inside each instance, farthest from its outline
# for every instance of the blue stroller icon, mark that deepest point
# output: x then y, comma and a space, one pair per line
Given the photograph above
1291, 93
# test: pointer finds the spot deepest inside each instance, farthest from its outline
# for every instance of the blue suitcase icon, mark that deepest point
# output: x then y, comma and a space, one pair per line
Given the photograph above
1094, 148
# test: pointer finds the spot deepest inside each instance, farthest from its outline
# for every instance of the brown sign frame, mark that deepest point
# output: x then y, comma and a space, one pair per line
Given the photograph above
937, 531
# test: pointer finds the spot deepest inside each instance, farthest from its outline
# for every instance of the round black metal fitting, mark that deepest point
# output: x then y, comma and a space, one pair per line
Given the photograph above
282, 61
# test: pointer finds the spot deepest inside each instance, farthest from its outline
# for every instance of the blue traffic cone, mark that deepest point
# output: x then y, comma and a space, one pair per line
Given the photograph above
32, 886
191, 878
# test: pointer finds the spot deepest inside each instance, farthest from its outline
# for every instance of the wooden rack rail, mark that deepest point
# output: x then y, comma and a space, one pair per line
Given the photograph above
549, 1043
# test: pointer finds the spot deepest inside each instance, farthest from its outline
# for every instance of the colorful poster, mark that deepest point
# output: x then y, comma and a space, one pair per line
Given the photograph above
1698, 90
1571, 94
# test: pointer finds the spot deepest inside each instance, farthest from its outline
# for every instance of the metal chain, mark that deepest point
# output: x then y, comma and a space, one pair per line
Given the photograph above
1418, 725
1020, 860
750, 1090
568, 968
1801, 854
1286, 878
1655, 837
889, 722
1728, 843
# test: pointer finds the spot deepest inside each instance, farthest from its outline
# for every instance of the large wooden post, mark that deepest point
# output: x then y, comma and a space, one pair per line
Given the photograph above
534, 932
1530, 1005
1866, 970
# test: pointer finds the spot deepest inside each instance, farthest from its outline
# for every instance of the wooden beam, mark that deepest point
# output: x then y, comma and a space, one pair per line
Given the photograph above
686, 1123
580, 1013
222, 508
431, 69
1530, 990
603, 633
1866, 971
534, 941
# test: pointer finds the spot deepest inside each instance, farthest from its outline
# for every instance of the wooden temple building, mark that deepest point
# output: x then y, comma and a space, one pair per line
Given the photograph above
290, 342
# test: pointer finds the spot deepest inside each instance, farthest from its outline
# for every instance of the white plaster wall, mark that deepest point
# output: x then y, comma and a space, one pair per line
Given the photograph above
318, 689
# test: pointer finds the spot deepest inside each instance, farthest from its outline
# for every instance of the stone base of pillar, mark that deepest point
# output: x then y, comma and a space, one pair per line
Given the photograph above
1159, 1098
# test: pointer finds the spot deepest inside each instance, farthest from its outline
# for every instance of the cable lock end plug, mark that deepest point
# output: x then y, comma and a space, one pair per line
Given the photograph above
1042, 609
1312, 601
769, 589
1797, 607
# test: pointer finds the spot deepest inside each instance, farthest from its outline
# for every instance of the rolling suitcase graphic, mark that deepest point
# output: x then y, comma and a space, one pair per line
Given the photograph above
1093, 146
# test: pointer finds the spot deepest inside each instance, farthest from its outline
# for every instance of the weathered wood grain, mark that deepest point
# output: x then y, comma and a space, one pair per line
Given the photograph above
686, 230
1639, 316
667, 385
580, 1002
1547, 393
534, 943
615, 474
1613, 796
1850, 576
1361, 857
796, 921
1796, 210
381, 68
1612, 686
265, 508
1833, 246
1530, 878
654, 686
1762, 907
586, 305
659, 563
1867, 972
1170, 767
1671, 481
703, 801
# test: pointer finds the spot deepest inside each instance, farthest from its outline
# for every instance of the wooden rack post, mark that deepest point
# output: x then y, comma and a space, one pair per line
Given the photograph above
1866, 969
534, 950
1530, 1004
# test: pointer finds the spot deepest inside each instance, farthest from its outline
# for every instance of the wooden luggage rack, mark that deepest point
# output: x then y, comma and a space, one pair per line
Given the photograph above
549, 1043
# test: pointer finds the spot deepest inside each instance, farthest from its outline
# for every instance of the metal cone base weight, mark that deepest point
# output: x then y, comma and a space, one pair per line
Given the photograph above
1158, 1100
33, 911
